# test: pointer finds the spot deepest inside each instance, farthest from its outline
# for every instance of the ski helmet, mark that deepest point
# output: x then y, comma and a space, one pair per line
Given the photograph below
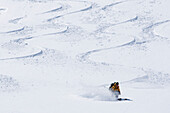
117, 83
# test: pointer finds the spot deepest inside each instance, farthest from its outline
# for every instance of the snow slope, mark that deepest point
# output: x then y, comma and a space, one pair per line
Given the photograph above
60, 56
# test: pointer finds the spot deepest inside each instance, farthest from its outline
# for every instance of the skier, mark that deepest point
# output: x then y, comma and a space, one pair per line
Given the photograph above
114, 88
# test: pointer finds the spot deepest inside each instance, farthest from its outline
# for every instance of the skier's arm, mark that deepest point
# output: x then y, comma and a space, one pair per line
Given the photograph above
119, 90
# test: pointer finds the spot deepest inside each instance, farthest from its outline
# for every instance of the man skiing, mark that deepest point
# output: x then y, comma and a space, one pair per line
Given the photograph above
114, 88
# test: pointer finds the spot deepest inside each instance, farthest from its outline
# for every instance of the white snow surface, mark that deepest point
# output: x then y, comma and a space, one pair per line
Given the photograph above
60, 56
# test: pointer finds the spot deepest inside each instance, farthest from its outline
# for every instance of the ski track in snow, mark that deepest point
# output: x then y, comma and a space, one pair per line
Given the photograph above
53, 10
33, 37
27, 56
16, 20
147, 29
112, 4
17, 30
84, 56
78, 11
150, 29
13, 31
2, 9
101, 30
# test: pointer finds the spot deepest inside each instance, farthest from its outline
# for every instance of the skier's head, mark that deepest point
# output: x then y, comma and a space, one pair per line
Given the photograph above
117, 83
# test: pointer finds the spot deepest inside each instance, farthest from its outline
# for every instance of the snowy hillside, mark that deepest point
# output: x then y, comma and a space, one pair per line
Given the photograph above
60, 56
